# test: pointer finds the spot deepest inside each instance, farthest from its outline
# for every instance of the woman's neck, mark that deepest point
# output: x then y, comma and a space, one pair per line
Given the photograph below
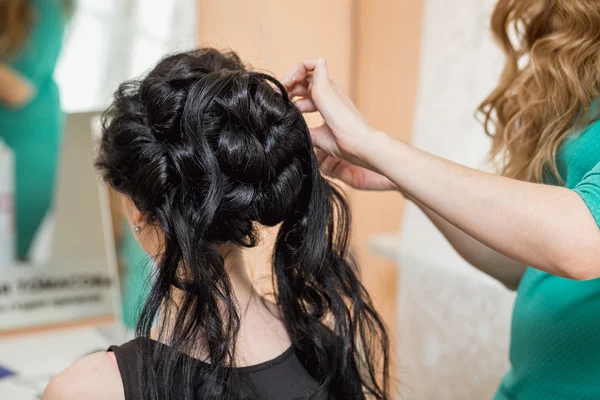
242, 289
242, 284
258, 317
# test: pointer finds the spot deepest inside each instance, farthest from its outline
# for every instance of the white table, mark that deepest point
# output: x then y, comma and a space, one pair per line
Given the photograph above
36, 358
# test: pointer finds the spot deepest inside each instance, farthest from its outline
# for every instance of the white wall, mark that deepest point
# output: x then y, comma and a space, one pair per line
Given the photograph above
453, 321
110, 41
459, 66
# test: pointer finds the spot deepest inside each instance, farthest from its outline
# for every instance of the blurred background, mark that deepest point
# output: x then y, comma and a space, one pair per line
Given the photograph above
70, 271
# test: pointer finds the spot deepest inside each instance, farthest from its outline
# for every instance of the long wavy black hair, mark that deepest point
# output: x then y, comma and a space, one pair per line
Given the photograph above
209, 152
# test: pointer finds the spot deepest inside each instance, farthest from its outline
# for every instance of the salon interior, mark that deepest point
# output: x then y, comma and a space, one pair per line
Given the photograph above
72, 276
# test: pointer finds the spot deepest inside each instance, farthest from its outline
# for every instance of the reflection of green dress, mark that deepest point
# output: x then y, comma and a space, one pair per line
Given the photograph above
136, 279
33, 131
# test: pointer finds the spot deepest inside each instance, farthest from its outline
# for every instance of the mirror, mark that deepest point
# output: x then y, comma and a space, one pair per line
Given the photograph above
60, 228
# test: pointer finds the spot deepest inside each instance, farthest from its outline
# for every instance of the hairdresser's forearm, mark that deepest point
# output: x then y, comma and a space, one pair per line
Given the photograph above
492, 263
507, 271
15, 90
547, 227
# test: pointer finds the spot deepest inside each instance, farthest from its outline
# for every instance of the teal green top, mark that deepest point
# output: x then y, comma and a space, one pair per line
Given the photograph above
555, 335
135, 282
33, 131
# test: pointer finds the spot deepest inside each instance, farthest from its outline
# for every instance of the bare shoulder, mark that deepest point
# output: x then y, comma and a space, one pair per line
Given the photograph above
93, 377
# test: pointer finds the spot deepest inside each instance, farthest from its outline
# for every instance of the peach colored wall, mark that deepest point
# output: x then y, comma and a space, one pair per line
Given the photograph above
372, 48
276, 34
384, 86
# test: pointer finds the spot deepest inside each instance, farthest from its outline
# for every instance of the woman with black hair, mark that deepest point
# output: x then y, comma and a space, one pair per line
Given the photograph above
205, 154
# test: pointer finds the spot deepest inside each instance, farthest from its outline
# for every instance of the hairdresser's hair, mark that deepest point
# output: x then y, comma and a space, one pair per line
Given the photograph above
549, 83
15, 21
209, 151
16, 17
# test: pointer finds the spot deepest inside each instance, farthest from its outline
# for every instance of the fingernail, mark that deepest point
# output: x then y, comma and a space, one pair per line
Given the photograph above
294, 79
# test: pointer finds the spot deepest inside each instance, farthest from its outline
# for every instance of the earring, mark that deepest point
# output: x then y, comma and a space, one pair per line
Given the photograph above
137, 230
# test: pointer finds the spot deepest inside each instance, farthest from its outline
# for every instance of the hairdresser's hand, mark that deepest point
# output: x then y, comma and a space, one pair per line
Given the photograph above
353, 175
345, 134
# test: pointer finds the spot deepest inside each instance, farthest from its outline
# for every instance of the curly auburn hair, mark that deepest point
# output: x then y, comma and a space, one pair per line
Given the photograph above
549, 83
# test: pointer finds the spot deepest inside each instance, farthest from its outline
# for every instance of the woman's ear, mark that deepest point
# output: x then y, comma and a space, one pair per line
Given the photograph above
134, 216
149, 236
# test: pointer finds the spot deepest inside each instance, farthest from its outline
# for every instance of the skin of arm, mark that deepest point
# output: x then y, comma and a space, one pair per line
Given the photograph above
92, 378
494, 264
15, 90
547, 227
502, 268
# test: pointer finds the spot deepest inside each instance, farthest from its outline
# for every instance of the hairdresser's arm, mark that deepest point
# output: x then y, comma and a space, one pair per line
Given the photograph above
15, 90
502, 268
547, 227
496, 265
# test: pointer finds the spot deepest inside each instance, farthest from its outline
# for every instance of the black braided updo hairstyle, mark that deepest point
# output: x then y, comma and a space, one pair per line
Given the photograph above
209, 151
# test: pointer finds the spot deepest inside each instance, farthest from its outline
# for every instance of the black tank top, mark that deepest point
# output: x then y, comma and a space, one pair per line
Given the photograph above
285, 377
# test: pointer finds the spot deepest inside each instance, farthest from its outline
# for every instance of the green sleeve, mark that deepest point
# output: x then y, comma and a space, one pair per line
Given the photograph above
589, 190
37, 59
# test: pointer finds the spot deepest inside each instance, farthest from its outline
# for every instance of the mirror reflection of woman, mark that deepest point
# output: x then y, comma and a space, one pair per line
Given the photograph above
31, 122
534, 227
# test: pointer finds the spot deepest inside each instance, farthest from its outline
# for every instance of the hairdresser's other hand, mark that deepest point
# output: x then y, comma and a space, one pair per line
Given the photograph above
345, 133
353, 175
